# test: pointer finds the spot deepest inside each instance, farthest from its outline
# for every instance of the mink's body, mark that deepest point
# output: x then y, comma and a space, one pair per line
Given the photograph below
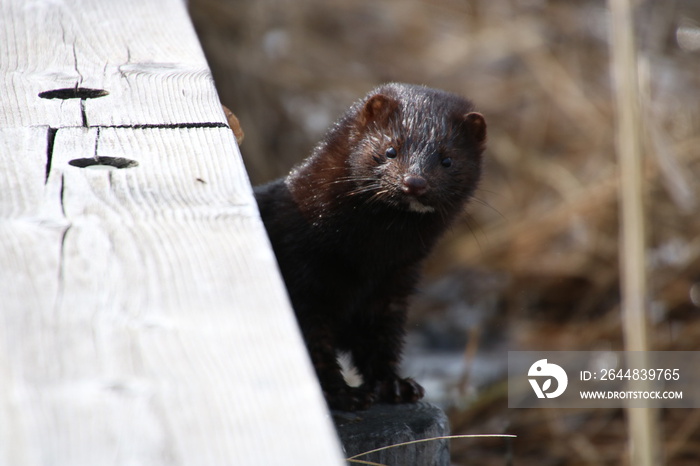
352, 224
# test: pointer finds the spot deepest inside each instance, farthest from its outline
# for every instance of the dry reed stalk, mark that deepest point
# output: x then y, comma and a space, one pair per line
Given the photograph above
642, 422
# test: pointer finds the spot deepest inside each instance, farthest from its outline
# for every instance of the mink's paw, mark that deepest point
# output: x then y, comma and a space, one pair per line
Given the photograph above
397, 390
350, 399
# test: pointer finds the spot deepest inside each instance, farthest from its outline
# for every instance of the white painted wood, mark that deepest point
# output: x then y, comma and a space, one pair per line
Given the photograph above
142, 317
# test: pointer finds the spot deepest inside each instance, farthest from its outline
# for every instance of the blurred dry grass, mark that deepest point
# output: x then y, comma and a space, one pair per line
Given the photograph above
546, 217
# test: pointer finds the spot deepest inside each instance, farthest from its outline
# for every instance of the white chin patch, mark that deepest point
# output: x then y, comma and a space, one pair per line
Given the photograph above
415, 206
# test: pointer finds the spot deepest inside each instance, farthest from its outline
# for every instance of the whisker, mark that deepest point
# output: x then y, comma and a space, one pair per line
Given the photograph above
361, 189
349, 179
486, 204
468, 221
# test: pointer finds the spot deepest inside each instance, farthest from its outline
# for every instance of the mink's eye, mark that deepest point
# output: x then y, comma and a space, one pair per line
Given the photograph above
446, 162
390, 153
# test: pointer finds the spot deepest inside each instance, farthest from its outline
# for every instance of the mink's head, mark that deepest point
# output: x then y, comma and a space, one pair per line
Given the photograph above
413, 148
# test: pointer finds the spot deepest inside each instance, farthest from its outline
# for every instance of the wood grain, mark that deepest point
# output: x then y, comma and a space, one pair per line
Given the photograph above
142, 316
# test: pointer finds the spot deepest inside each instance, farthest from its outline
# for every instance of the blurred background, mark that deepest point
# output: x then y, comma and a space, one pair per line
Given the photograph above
533, 265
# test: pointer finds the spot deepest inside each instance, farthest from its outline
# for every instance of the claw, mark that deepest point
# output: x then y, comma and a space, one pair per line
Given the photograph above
398, 390
350, 399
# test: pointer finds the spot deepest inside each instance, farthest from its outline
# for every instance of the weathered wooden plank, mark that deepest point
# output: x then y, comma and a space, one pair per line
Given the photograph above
129, 48
142, 318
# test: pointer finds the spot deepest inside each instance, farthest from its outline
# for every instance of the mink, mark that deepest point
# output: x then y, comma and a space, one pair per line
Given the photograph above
351, 225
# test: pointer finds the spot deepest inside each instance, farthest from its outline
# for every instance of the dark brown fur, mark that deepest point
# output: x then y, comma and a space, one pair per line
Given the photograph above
351, 225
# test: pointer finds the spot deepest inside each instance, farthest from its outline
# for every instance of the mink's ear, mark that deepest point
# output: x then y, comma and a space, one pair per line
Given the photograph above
476, 125
378, 108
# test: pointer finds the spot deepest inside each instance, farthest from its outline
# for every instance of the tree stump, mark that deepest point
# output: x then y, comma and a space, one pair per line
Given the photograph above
383, 425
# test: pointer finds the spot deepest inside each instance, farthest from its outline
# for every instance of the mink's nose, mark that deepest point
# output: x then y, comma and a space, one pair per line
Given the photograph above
414, 185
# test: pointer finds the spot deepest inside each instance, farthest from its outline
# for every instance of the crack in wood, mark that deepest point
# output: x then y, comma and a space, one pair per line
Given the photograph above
167, 126
83, 115
61, 256
77, 70
97, 143
61, 262
61, 252
207, 124
60, 196
50, 140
